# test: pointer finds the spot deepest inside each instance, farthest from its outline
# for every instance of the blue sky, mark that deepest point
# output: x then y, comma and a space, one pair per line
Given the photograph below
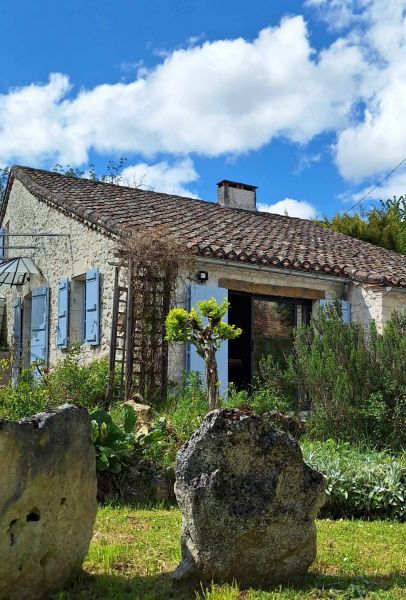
306, 100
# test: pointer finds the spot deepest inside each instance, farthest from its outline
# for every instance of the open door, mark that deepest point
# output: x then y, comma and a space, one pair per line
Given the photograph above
267, 325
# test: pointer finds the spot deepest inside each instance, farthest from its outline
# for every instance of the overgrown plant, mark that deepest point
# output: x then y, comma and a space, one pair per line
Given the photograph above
354, 381
206, 332
69, 381
76, 382
359, 483
154, 260
24, 398
114, 444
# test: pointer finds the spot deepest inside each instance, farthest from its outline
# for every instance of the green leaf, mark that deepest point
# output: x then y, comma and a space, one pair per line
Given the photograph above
129, 418
102, 462
101, 416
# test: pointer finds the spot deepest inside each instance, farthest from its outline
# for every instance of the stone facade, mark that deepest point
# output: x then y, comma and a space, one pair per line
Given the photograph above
87, 248
392, 300
377, 303
58, 257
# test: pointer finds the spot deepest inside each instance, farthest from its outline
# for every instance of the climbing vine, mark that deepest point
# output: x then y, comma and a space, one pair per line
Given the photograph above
155, 259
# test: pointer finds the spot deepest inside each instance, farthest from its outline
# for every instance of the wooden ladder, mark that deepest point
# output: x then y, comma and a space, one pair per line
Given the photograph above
118, 346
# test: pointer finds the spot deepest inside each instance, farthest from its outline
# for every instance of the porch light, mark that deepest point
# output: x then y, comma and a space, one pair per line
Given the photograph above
202, 276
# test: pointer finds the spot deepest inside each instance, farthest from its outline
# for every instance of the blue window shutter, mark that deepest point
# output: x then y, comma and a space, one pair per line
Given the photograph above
346, 311
62, 331
194, 361
92, 308
17, 325
2, 244
39, 325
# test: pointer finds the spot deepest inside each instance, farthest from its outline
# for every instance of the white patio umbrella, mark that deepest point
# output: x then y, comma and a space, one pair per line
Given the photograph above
17, 271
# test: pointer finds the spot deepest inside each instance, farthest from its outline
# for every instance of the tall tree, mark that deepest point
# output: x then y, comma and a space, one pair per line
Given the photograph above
4, 173
384, 225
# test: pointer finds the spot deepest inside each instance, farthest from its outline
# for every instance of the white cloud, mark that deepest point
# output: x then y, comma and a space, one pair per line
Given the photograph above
228, 97
162, 177
338, 14
306, 161
375, 141
222, 97
290, 207
394, 186
31, 127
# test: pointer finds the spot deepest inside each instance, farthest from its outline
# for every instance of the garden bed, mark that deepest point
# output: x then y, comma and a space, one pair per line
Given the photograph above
134, 551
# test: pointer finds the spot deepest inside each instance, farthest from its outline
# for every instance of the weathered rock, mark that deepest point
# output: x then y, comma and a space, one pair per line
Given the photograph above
47, 501
248, 503
144, 483
291, 424
143, 411
141, 483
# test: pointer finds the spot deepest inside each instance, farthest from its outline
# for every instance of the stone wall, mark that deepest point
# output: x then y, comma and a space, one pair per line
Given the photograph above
378, 303
392, 300
59, 257
366, 304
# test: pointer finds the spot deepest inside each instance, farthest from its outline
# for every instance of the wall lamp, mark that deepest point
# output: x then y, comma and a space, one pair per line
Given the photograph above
202, 276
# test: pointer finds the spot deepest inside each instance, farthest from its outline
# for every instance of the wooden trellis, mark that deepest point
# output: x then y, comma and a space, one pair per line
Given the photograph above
152, 261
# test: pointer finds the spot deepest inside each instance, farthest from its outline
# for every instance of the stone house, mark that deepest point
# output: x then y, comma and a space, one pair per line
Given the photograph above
273, 269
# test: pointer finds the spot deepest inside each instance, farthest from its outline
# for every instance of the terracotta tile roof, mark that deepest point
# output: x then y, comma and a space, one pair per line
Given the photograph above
217, 232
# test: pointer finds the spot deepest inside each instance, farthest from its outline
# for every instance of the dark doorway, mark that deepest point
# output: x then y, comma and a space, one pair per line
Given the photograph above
267, 325
240, 350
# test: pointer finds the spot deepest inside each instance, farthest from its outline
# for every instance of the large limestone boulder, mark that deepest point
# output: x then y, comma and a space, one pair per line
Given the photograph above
47, 501
248, 503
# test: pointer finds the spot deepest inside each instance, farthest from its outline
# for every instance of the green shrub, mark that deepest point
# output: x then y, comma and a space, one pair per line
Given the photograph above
161, 444
25, 398
76, 383
69, 381
180, 416
355, 382
114, 443
260, 400
268, 392
359, 483
186, 406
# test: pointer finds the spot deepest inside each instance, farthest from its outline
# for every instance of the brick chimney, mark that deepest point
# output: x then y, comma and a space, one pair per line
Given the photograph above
236, 195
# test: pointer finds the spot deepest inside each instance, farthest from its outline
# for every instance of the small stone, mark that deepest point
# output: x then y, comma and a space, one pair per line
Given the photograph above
248, 503
143, 411
47, 503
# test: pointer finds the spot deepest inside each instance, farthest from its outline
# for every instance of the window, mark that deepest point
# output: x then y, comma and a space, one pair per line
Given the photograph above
84, 313
77, 310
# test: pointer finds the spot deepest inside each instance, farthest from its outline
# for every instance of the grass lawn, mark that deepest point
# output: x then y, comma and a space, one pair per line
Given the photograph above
134, 551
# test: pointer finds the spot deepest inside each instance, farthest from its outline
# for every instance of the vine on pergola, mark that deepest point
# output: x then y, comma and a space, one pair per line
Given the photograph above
155, 258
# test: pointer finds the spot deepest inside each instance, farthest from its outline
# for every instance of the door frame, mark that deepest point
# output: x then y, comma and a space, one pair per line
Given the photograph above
303, 302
